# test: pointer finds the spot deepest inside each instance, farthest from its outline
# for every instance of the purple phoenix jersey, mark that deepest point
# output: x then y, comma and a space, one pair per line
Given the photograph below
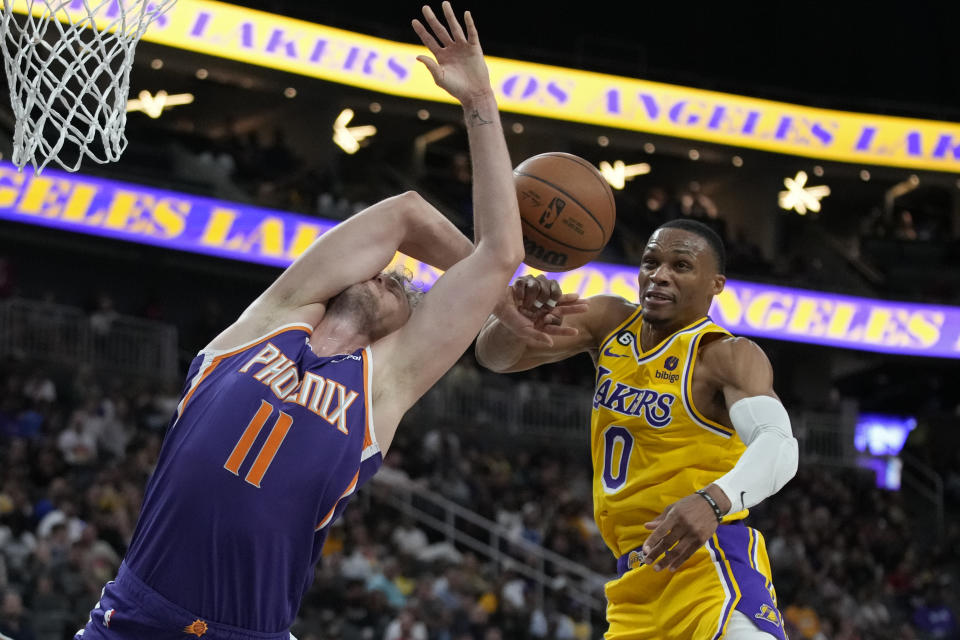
268, 443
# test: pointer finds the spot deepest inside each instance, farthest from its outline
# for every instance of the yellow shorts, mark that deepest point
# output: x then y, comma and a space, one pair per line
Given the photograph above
730, 572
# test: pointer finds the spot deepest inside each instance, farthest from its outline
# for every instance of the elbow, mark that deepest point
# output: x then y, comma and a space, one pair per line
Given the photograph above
504, 256
411, 204
491, 362
483, 356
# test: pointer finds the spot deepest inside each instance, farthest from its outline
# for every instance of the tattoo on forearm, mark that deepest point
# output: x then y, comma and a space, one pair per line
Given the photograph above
476, 118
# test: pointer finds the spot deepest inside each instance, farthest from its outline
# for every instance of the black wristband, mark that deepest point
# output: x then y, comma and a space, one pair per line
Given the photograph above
713, 504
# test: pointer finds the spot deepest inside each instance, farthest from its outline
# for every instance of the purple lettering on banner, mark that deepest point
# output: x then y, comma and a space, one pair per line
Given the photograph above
398, 69
786, 123
613, 101
945, 144
865, 139
676, 111
558, 92
750, 124
368, 62
318, 50
276, 41
510, 84
246, 35
207, 226
200, 24
915, 143
822, 134
719, 113
351, 58
159, 22
650, 104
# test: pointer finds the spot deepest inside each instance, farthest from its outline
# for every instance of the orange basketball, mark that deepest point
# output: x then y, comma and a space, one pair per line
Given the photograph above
566, 210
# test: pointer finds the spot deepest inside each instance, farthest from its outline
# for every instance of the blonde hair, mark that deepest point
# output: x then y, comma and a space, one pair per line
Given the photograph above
413, 291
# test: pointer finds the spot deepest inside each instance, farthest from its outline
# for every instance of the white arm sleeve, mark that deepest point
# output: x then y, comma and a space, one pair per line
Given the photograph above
771, 456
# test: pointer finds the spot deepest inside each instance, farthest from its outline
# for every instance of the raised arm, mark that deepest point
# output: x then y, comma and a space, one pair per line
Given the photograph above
353, 251
411, 360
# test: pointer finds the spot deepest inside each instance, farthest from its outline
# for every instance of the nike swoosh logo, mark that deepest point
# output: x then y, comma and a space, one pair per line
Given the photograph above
743, 505
607, 353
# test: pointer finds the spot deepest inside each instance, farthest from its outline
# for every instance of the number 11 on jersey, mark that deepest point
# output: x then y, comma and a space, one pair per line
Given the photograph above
270, 447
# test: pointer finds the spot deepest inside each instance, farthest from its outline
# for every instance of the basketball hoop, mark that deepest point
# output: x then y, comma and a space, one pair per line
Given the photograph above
68, 66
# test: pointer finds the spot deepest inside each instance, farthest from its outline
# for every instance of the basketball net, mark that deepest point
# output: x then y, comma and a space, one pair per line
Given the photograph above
68, 66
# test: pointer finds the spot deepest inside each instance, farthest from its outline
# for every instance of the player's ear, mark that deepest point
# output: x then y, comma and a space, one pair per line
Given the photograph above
719, 282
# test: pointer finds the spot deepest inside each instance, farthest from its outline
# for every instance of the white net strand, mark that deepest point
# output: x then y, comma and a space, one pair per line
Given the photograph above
69, 82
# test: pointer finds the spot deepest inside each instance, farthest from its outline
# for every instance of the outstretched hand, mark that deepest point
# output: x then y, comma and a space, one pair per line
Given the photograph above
457, 64
534, 308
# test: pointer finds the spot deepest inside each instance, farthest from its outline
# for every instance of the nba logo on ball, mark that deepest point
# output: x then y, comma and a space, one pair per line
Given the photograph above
553, 211
567, 211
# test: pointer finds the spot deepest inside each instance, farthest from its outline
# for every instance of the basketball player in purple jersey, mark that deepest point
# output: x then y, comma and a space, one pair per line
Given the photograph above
289, 410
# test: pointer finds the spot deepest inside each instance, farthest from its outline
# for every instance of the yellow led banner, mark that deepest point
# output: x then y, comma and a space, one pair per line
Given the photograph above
390, 67
184, 222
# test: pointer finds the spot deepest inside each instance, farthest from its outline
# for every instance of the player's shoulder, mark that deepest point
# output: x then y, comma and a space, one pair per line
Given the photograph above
606, 313
246, 334
727, 355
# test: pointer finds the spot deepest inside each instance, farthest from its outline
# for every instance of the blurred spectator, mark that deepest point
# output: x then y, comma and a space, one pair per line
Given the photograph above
14, 620
406, 626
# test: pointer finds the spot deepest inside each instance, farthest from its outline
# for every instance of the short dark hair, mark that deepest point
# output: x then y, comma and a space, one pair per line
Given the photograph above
712, 237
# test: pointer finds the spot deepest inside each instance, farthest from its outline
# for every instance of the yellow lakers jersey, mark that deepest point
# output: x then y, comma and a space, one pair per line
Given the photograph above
650, 445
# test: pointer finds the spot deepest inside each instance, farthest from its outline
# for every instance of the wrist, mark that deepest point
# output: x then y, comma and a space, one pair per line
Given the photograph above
720, 497
482, 97
481, 109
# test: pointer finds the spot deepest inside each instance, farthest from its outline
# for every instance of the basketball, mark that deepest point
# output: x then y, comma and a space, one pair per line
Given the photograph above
566, 209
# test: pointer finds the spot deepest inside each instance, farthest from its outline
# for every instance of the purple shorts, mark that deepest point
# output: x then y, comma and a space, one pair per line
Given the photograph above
130, 610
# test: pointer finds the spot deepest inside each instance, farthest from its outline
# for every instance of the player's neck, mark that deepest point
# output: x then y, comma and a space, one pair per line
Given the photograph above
652, 334
335, 335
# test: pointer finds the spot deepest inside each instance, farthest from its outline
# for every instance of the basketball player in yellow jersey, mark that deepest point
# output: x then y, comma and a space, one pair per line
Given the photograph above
687, 434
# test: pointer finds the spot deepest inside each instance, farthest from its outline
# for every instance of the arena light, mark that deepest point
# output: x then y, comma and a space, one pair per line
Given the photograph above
154, 104
801, 198
349, 138
618, 173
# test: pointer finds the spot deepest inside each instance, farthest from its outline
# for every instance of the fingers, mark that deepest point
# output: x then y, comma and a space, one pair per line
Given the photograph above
531, 295
676, 556
453, 23
436, 26
425, 37
472, 36
555, 292
658, 545
661, 526
432, 67
557, 330
519, 290
567, 309
536, 338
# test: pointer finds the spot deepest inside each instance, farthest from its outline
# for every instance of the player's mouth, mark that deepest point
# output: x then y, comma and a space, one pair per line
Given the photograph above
656, 298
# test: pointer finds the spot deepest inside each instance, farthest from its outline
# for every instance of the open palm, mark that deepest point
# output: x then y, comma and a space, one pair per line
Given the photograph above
458, 67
